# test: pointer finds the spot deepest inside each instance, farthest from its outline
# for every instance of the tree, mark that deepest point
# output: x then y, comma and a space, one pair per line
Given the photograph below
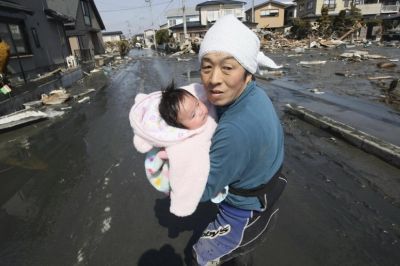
123, 47
300, 29
354, 15
339, 23
324, 23
162, 36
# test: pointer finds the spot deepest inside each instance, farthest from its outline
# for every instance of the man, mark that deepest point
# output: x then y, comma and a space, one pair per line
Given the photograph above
247, 147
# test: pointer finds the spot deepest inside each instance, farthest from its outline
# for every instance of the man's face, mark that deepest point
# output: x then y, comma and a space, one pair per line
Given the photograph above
224, 79
192, 112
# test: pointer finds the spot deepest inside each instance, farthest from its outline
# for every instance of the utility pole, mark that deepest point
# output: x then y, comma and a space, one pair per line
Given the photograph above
252, 11
184, 20
152, 25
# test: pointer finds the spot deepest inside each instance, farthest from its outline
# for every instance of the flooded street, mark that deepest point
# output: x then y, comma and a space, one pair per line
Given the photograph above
74, 191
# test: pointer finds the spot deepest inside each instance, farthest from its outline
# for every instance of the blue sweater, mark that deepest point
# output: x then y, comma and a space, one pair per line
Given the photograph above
247, 147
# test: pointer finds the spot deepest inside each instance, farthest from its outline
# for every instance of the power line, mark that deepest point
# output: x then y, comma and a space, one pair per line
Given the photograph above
132, 8
170, 2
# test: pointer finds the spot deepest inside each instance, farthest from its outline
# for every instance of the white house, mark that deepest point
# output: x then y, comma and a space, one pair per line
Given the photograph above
149, 37
210, 11
112, 36
175, 16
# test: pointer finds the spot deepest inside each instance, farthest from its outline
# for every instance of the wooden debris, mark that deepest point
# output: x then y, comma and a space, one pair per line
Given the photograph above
386, 64
316, 62
55, 97
380, 77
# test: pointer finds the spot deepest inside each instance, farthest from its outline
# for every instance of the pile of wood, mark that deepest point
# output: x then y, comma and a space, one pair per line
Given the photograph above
277, 41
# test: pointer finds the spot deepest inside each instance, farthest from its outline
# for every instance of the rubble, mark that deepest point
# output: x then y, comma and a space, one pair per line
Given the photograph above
20, 118
385, 64
55, 97
315, 62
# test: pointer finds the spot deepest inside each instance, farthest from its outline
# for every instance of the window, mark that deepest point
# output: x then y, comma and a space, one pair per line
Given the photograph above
269, 13
310, 5
212, 15
229, 11
172, 22
331, 4
14, 35
35, 37
86, 13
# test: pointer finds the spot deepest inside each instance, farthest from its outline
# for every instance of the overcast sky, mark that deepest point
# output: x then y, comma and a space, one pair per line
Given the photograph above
134, 16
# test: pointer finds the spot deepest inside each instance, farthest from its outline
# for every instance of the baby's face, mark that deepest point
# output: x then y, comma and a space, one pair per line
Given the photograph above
192, 113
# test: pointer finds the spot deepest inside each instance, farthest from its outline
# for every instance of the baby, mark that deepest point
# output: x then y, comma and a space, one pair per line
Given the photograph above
174, 128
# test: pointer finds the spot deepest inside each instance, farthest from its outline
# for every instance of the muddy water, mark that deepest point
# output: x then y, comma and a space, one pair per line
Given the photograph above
324, 77
74, 192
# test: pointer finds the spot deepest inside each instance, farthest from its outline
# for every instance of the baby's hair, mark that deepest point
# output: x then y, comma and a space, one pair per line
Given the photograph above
170, 103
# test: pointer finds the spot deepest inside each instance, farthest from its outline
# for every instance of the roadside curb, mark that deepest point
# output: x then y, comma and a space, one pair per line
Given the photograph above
380, 148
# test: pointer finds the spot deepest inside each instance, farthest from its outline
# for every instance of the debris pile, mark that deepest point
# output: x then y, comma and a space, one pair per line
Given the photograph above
55, 97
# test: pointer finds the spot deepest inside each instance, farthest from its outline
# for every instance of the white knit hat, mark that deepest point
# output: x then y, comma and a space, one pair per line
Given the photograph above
231, 36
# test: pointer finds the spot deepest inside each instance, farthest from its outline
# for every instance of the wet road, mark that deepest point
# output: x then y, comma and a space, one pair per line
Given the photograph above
73, 190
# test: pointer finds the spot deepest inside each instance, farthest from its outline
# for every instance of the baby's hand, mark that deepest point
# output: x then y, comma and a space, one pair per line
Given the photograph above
162, 154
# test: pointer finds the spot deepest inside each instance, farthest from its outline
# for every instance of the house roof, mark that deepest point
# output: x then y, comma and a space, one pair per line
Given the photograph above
220, 2
189, 24
269, 2
111, 33
177, 12
197, 24
390, 16
14, 6
97, 14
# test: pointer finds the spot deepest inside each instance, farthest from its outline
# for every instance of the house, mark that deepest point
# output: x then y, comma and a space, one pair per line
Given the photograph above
43, 33
149, 37
84, 32
164, 26
290, 13
36, 37
202, 17
175, 16
270, 15
210, 11
311, 9
193, 29
112, 36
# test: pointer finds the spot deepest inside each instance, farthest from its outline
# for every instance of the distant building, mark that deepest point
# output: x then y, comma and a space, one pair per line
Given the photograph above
175, 16
311, 9
84, 33
164, 26
270, 14
149, 37
112, 36
193, 29
210, 11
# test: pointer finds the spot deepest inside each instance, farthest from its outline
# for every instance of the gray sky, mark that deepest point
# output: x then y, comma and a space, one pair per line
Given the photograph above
134, 16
